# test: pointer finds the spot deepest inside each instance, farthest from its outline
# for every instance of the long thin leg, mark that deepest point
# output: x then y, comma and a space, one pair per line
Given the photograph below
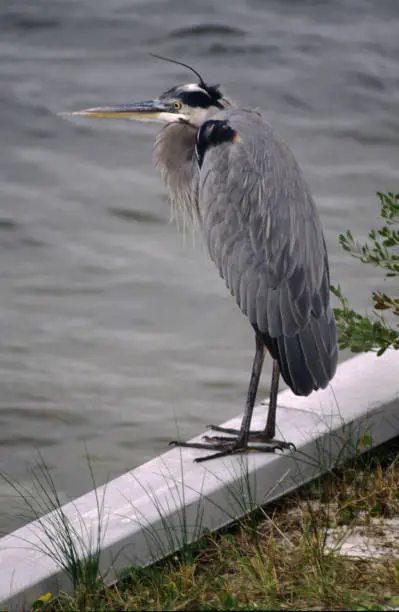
228, 446
270, 429
252, 391
267, 435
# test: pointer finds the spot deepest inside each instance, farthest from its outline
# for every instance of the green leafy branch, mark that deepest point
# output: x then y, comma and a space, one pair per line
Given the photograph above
362, 333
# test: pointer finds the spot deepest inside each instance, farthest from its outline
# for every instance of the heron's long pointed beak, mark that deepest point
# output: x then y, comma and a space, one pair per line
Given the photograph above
151, 110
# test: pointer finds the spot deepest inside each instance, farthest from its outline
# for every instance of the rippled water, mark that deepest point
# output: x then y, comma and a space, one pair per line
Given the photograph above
115, 329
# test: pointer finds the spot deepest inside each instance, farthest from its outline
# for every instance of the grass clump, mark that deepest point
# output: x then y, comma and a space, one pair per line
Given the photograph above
73, 545
278, 558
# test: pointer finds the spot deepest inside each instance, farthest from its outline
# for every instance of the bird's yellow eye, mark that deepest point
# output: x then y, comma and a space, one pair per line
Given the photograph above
177, 105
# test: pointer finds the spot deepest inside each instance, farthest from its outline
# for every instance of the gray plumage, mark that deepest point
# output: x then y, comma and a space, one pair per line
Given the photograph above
263, 233
227, 170
178, 166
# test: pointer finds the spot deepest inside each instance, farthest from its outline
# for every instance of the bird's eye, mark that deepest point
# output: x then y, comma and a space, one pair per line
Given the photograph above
177, 105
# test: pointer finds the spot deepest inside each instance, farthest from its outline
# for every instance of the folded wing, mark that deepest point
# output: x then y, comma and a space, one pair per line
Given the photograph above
264, 234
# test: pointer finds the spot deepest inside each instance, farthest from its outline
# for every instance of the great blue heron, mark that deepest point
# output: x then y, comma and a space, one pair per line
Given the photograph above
226, 168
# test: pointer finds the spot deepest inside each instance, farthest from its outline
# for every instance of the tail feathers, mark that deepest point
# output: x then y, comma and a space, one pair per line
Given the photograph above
307, 360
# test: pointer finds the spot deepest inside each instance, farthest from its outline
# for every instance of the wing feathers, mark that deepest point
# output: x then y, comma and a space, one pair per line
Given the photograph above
308, 360
264, 235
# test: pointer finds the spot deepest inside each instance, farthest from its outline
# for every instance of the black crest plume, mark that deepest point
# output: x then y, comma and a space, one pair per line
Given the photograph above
212, 90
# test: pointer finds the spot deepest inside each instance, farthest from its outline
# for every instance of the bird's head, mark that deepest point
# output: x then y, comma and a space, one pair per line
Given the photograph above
193, 103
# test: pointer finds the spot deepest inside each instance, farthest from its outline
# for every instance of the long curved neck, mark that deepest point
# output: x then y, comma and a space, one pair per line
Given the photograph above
174, 154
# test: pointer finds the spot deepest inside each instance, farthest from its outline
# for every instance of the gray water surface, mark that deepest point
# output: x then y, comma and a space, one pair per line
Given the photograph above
116, 329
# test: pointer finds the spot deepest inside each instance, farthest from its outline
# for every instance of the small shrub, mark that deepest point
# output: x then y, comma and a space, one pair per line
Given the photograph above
362, 333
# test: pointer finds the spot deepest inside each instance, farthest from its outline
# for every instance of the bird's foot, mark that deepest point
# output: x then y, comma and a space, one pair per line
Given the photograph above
253, 436
226, 446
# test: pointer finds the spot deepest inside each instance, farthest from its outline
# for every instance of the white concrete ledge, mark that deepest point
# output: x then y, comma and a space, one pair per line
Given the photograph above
364, 397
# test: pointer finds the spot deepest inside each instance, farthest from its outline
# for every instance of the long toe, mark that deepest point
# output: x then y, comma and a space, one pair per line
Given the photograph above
270, 444
253, 436
261, 436
225, 447
227, 430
